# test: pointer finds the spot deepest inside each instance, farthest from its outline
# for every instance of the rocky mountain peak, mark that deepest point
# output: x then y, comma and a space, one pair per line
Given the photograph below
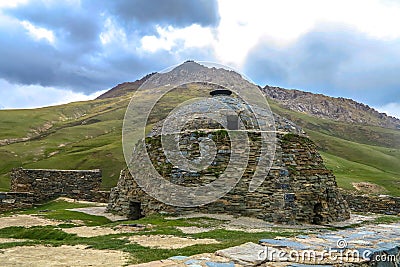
125, 88
339, 109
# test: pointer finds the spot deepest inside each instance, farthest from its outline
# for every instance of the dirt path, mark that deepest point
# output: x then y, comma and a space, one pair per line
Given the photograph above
168, 241
61, 256
25, 221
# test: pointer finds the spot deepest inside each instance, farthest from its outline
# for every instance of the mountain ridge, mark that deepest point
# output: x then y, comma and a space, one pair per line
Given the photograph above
327, 107
125, 87
317, 105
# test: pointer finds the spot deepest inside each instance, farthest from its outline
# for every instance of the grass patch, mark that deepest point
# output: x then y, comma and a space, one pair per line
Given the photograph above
387, 219
157, 219
54, 236
57, 205
69, 216
225, 237
57, 210
36, 233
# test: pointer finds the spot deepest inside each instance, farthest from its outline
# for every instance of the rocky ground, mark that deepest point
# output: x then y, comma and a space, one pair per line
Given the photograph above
70, 233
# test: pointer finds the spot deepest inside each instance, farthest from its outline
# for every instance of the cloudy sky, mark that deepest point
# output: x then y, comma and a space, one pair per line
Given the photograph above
60, 51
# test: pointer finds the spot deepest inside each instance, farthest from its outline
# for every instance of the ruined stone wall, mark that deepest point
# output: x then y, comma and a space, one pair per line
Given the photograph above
49, 184
297, 189
31, 186
15, 200
376, 204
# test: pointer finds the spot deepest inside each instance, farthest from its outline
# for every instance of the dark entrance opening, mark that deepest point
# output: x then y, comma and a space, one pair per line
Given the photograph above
135, 211
233, 122
318, 218
221, 91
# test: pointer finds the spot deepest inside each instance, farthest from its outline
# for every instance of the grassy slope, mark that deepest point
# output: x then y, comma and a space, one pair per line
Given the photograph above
84, 135
87, 135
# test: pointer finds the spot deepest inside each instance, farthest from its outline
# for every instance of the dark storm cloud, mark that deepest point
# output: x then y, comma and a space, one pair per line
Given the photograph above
27, 61
84, 22
73, 25
339, 63
169, 12
78, 60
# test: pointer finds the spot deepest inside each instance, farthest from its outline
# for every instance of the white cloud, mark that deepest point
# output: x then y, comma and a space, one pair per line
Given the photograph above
11, 3
392, 109
170, 37
244, 23
112, 33
38, 33
33, 96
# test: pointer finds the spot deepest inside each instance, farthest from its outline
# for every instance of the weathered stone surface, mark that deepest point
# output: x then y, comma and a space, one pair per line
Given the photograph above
372, 245
377, 204
15, 200
48, 184
30, 186
247, 254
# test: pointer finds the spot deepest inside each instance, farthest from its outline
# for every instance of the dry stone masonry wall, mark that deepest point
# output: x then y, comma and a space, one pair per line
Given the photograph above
297, 189
15, 200
30, 186
376, 204
48, 184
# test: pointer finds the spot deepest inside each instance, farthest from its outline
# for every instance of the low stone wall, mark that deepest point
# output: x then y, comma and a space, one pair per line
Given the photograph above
31, 186
49, 184
15, 200
376, 204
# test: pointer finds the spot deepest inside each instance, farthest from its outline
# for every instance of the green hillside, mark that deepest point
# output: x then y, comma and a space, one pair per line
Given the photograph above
86, 135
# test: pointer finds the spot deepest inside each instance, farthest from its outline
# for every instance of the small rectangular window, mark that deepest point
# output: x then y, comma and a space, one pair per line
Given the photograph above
233, 122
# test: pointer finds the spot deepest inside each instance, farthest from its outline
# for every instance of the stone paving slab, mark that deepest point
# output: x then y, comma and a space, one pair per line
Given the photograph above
246, 254
160, 263
340, 248
353, 246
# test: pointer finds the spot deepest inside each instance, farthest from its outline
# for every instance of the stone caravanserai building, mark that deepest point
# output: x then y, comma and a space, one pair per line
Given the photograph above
297, 189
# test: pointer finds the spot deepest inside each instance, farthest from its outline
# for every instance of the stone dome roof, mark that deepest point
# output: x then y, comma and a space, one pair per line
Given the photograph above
222, 111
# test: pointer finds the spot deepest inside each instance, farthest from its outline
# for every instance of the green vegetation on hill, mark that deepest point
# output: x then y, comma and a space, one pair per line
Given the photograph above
83, 135
87, 135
